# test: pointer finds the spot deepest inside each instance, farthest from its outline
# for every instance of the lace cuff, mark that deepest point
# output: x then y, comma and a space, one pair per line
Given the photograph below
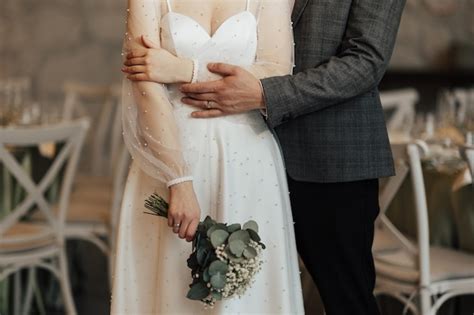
179, 180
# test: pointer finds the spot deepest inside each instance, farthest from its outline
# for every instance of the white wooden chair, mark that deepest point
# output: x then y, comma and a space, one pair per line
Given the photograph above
93, 215
463, 100
96, 197
25, 244
386, 234
430, 274
402, 105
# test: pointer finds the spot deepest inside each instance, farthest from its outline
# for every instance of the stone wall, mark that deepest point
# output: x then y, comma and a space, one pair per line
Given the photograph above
435, 34
56, 40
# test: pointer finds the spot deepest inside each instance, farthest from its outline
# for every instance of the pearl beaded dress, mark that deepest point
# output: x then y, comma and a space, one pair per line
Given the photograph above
235, 162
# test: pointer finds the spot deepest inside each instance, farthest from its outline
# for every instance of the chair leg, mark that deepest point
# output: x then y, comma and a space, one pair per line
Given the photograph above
17, 292
425, 302
29, 291
65, 284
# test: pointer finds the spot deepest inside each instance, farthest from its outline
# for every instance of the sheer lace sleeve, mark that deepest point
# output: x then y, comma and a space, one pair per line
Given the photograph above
275, 48
149, 126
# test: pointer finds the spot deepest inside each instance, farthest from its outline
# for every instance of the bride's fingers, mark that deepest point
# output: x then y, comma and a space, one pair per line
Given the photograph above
137, 53
135, 61
138, 77
134, 69
177, 224
191, 230
170, 221
183, 228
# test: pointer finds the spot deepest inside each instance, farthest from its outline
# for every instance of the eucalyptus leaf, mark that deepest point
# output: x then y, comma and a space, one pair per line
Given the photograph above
254, 235
218, 226
198, 291
233, 227
208, 222
201, 255
218, 281
237, 247
242, 235
205, 275
211, 256
201, 227
251, 225
192, 261
250, 252
218, 266
236, 259
228, 252
218, 237
205, 243
216, 295
196, 239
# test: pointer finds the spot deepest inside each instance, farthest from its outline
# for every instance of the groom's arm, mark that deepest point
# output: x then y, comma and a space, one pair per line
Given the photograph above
364, 56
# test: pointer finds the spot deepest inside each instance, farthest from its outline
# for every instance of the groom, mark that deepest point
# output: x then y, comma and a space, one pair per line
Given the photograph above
331, 127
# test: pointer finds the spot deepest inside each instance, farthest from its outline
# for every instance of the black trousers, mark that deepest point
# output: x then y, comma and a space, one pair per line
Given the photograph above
334, 226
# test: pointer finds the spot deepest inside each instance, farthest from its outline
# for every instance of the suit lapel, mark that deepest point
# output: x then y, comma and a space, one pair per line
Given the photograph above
298, 10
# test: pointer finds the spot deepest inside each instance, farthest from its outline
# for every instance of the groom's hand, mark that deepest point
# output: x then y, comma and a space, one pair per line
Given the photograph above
237, 92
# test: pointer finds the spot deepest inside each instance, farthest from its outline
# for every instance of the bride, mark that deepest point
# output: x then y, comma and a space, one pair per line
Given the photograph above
229, 168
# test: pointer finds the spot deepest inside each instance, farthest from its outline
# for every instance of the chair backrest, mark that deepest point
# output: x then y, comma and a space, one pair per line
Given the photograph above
407, 157
68, 138
402, 104
102, 104
464, 101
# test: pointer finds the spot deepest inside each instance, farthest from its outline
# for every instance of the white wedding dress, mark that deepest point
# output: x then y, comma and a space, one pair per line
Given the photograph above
235, 163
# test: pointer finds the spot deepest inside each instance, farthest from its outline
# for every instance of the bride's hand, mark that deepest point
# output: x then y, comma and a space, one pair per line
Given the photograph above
184, 212
151, 63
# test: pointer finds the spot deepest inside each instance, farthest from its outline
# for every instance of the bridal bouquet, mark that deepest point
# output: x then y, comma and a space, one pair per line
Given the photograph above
224, 259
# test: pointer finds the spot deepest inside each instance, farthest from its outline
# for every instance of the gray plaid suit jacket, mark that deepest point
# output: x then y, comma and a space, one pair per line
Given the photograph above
328, 116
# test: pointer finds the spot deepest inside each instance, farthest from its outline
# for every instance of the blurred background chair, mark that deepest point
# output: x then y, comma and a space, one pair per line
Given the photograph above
101, 104
30, 245
416, 271
399, 108
97, 193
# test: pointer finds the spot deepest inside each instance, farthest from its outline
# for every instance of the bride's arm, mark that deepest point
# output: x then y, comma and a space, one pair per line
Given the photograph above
150, 130
152, 63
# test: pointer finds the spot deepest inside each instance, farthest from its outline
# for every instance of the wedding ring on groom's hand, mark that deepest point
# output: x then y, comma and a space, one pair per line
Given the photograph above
177, 225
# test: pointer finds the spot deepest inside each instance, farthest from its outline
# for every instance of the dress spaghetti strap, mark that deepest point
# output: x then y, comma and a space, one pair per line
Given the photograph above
247, 7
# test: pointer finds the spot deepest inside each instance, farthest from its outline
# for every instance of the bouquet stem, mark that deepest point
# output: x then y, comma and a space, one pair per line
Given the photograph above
157, 205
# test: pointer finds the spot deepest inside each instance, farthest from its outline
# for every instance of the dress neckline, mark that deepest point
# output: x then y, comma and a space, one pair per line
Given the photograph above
202, 27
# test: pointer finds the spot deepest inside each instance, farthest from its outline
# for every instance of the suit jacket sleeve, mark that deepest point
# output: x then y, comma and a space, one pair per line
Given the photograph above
363, 57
